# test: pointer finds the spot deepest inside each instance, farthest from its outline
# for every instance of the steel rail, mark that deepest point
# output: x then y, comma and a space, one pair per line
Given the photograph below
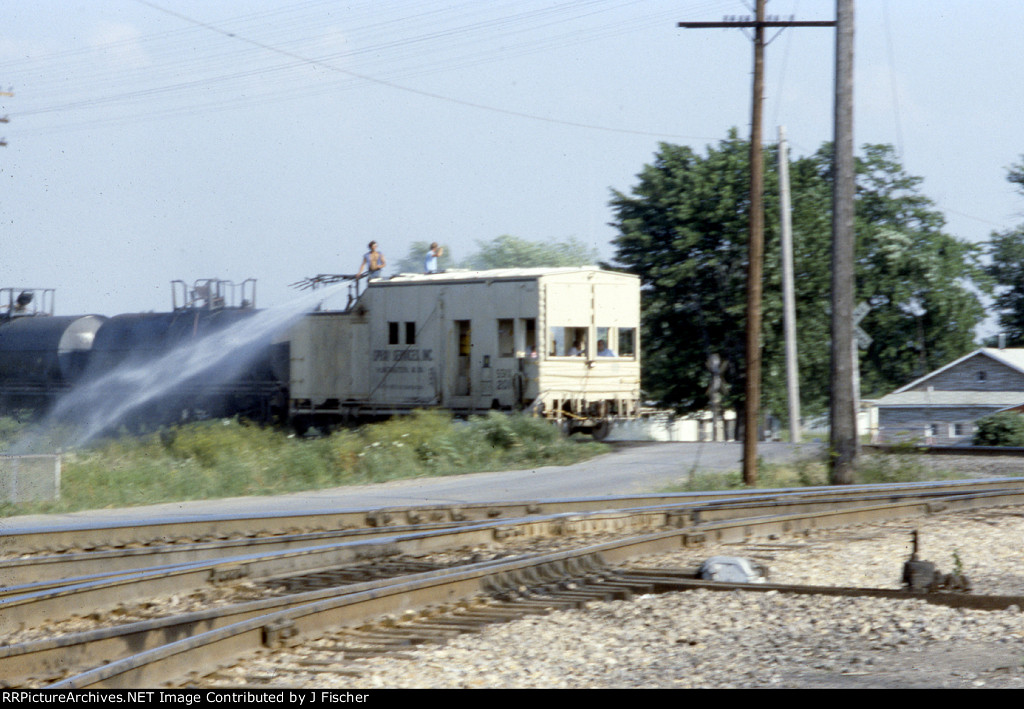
225, 645
54, 657
38, 573
59, 569
16, 660
663, 583
53, 603
81, 535
31, 604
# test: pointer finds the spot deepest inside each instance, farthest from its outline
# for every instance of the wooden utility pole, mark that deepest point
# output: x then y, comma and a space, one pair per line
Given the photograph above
755, 246
842, 414
788, 296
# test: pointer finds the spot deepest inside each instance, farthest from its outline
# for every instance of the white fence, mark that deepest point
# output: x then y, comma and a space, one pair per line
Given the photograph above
29, 478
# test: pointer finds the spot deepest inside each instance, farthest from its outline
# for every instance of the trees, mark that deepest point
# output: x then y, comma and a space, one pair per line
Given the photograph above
683, 230
512, 252
1006, 251
505, 252
921, 283
413, 260
684, 233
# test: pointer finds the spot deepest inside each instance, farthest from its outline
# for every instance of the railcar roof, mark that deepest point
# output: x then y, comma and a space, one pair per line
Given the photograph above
497, 274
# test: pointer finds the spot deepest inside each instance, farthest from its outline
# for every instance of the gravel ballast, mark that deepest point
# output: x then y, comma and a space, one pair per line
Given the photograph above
705, 639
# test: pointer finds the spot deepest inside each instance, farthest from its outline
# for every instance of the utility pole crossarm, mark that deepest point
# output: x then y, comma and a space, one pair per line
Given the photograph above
755, 24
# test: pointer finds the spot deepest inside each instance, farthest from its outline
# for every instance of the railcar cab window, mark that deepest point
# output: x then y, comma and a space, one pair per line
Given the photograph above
605, 343
528, 332
517, 339
627, 342
506, 338
395, 331
568, 342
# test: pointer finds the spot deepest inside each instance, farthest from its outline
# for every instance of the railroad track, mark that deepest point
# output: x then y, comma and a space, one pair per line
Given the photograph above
305, 589
80, 536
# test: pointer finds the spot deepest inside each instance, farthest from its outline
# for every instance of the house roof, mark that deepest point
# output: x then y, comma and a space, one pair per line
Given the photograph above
922, 397
1013, 358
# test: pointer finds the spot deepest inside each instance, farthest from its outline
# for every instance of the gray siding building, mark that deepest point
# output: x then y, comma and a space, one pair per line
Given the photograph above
941, 408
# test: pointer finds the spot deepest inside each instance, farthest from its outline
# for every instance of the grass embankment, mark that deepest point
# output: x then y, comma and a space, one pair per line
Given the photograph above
217, 459
872, 469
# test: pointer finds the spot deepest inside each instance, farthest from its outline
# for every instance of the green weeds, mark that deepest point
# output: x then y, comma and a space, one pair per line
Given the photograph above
813, 472
227, 458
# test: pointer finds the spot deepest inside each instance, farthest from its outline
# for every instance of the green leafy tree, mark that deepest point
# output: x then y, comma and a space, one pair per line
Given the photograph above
922, 284
1006, 267
413, 260
514, 252
683, 229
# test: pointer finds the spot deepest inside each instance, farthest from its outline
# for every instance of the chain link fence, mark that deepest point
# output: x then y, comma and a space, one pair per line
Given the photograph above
29, 478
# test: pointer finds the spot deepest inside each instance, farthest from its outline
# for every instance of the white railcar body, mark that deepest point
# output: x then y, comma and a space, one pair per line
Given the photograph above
561, 342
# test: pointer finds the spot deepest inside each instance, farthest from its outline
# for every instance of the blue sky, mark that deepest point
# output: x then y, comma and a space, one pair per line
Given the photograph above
184, 139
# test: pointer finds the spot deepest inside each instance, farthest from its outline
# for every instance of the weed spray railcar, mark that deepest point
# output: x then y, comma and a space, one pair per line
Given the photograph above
562, 343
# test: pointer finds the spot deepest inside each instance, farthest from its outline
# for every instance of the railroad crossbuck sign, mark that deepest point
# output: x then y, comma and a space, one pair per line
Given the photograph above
863, 338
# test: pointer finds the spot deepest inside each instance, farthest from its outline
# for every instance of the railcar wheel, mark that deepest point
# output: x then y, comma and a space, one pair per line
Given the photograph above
301, 424
601, 430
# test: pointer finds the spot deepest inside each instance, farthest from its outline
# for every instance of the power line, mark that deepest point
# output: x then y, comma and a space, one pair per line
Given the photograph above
420, 50
892, 78
400, 87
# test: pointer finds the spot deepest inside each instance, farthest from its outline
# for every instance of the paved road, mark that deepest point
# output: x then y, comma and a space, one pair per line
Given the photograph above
631, 468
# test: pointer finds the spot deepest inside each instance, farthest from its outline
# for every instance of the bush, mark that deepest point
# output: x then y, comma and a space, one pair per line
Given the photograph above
1002, 429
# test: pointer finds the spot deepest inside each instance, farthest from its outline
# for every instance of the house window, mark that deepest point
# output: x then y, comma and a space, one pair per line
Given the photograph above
393, 334
982, 375
410, 333
963, 429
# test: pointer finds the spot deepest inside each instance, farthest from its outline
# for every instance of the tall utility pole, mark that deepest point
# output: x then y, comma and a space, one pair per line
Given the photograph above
755, 246
843, 415
788, 296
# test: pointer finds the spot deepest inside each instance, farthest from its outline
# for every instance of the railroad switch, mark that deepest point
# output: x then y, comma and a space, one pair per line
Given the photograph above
924, 577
